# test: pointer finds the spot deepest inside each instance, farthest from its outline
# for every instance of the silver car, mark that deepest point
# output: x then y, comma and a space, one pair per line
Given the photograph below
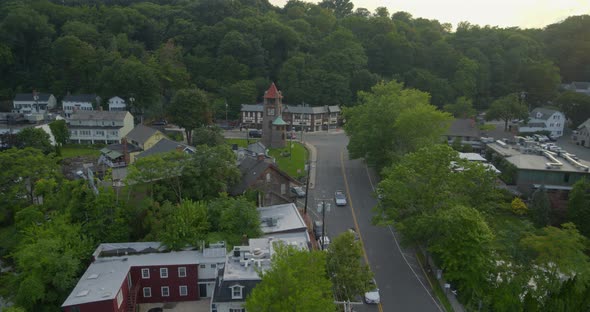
372, 296
340, 198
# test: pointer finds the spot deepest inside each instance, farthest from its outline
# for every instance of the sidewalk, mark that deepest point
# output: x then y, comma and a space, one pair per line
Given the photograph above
312, 162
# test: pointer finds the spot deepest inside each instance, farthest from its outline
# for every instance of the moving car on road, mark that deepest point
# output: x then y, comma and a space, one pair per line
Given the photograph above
340, 198
372, 296
324, 242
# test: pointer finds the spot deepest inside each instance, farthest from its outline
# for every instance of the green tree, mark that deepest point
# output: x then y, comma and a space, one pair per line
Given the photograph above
519, 207
60, 132
211, 170
575, 106
296, 281
578, 207
402, 117
190, 109
234, 217
49, 259
462, 108
507, 108
184, 225
540, 80
460, 237
350, 277
558, 253
431, 179
540, 207
35, 138
341, 8
210, 136
21, 170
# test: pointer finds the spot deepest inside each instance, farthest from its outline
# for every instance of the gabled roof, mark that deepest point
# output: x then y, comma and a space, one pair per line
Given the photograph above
272, 92
223, 290
252, 107
141, 133
464, 128
91, 98
251, 168
546, 113
585, 124
116, 98
99, 115
257, 148
165, 146
43, 97
334, 109
279, 121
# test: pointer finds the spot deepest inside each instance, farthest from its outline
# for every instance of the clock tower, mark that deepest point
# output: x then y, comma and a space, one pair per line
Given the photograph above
273, 125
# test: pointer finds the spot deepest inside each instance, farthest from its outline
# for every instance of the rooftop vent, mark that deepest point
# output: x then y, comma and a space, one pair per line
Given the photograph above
82, 293
92, 276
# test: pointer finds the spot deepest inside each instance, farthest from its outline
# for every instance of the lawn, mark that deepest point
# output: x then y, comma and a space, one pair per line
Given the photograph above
294, 165
72, 150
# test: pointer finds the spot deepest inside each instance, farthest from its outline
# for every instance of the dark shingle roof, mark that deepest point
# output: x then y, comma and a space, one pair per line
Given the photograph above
250, 168
223, 291
164, 146
43, 97
80, 98
463, 127
141, 133
546, 113
251, 108
257, 148
99, 115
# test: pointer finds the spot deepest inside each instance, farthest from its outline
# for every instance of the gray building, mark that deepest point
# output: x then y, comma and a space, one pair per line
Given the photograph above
298, 117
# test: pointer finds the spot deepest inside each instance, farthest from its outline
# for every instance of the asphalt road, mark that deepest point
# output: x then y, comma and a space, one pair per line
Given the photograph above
399, 277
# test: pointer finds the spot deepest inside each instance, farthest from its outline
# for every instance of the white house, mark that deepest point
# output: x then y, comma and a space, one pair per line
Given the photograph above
117, 104
99, 126
33, 103
582, 135
240, 274
545, 119
79, 102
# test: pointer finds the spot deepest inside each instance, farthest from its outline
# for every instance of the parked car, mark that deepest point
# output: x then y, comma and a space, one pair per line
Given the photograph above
317, 228
161, 122
553, 137
298, 191
255, 133
324, 242
340, 198
291, 135
372, 296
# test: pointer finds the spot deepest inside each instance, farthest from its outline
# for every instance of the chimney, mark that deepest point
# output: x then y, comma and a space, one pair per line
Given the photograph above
125, 152
245, 240
260, 157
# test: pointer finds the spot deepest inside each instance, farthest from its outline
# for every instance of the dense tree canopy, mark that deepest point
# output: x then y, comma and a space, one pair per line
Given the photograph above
318, 53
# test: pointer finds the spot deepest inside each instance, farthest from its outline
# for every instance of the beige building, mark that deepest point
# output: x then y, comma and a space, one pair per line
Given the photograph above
144, 138
99, 126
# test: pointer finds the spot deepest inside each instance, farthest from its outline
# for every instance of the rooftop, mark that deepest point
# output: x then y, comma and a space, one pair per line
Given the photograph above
141, 133
281, 219
165, 146
532, 157
104, 277
91, 98
22, 97
99, 115
463, 128
272, 92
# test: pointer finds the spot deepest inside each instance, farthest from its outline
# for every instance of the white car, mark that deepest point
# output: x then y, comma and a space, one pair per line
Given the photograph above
340, 198
372, 296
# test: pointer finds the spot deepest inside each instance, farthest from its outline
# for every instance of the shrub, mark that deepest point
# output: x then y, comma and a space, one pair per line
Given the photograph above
519, 207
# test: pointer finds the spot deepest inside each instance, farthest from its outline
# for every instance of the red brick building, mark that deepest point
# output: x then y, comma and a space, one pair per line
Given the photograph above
125, 275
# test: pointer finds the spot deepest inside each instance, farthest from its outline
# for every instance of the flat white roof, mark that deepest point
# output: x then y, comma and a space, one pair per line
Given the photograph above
534, 161
104, 277
281, 218
472, 157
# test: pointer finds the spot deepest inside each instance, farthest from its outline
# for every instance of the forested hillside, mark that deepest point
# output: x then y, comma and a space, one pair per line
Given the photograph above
318, 54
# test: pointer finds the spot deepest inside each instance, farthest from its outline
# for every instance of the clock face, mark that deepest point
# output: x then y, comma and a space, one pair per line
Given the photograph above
270, 112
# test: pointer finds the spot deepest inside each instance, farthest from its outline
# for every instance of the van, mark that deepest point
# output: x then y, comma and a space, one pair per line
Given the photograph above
255, 133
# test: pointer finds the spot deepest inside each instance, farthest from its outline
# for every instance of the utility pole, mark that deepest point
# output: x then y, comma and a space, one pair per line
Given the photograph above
226, 106
324, 204
348, 305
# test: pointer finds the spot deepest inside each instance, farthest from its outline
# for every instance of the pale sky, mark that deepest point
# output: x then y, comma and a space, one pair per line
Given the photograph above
503, 13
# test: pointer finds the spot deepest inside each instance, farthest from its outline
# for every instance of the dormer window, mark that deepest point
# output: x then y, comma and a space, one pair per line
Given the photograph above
236, 292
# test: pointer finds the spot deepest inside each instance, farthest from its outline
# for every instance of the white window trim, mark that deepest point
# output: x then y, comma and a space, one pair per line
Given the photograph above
234, 296
167, 291
149, 289
180, 288
143, 275
162, 274
182, 275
